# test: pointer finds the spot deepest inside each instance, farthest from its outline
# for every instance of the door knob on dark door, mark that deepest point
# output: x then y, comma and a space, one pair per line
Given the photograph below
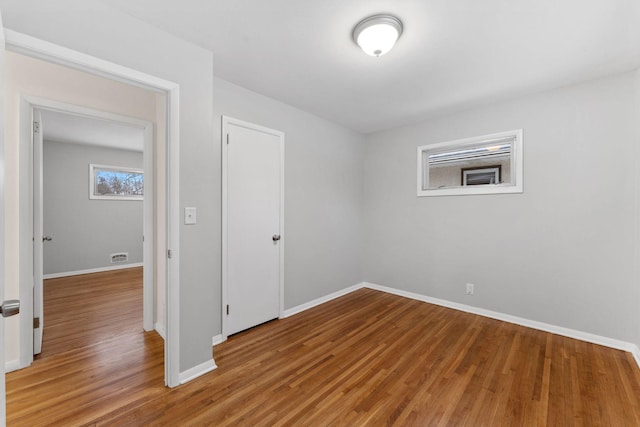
10, 308
275, 237
47, 238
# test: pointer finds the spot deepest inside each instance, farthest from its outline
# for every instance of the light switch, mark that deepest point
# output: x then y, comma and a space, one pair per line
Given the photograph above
190, 216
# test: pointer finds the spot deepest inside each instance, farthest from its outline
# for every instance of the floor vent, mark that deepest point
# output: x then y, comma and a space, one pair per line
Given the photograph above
119, 257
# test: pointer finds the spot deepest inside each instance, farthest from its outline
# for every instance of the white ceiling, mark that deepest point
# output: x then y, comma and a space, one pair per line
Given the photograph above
452, 55
63, 127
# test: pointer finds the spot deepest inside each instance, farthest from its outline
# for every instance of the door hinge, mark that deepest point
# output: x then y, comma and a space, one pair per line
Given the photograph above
227, 309
36, 322
169, 254
227, 139
36, 127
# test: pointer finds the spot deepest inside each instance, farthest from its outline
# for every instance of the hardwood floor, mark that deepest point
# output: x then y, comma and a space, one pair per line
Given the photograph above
93, 349
91, 308
368, 358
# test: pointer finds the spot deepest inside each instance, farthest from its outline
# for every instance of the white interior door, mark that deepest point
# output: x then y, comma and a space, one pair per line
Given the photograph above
39, 239
253, 225
3, 400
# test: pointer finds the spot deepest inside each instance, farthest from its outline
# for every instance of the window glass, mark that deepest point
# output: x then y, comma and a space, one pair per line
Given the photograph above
480, 165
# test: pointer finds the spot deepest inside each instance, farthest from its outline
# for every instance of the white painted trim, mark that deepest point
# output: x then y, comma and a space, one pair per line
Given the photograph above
283, 234
35, 169
636, 223
79, 110
34, 47
3, 397
12, 365
635, 352
172, 291
516, 164
541, 326
302, 307
226, 121
38, 48
91, 270
197, 371
218, 339
150, 274
160, 330
225, 234
26, 247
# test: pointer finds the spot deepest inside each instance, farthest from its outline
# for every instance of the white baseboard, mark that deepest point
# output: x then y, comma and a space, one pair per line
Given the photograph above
558, 330
91, 270
12, 365
302, 307
196, 371
218, 339
160, 330
636, 354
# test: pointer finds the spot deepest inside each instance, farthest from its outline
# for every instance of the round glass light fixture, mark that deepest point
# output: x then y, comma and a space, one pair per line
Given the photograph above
377, 34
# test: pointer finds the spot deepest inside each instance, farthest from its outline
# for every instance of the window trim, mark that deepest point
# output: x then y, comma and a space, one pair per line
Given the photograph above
516, 166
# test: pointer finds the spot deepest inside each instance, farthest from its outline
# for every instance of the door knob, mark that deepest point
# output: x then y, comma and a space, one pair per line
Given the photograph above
275, 237
10, 308
47, 238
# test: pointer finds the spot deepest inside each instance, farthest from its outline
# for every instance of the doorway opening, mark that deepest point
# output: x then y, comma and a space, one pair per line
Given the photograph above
87, 239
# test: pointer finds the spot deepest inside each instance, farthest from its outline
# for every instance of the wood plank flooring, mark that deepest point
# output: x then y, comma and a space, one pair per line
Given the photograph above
368, 358
93, 349
91, 308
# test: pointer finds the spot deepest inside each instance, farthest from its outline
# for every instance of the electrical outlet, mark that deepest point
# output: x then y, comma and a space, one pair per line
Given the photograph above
469, 288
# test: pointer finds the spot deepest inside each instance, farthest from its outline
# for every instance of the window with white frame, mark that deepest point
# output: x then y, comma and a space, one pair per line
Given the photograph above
115, 183
487, 164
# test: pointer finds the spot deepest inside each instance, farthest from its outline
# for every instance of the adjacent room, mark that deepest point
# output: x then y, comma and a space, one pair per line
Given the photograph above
360, 213
86, 235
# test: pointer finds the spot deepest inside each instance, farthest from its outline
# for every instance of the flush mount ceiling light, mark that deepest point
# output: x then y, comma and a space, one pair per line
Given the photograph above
377, 34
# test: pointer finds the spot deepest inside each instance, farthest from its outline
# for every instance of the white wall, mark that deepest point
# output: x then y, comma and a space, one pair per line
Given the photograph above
92, 27
563, 252
28, 76
86, 231
323, 193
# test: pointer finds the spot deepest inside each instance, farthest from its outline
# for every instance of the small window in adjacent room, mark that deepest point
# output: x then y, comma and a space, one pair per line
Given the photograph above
486, 164
115, 183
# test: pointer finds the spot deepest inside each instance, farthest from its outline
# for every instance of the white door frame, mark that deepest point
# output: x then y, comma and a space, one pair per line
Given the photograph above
32, 296
226, 121
27, 106
3, 403
37, 48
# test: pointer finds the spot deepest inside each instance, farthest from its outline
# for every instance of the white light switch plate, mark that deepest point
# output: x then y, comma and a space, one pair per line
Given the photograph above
190, 216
